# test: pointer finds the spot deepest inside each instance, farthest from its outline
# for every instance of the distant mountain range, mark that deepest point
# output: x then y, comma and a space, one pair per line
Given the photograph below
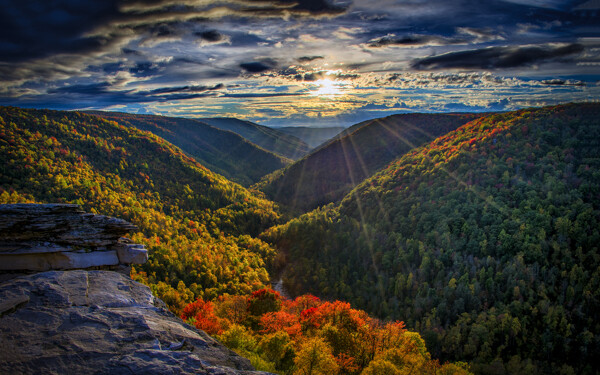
272, 139
328, 173
312, 136
223, 151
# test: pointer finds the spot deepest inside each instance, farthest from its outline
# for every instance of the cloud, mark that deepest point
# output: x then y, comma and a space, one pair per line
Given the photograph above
263, 95
413, 41
259, 66
498, 57
210, 35
299, 7
562, 82
304, 59
550, 4
464, 35
87, 89
145, 69
105, 94
39, 28
197, 88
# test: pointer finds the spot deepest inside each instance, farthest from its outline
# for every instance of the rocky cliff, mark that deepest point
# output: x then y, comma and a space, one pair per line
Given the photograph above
89, 321
42, 237
100, 322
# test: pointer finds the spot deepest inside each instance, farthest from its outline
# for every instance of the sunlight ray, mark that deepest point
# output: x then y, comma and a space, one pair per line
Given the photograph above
363, 223
367, 175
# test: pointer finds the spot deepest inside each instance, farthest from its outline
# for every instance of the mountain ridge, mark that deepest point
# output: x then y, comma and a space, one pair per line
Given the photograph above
484, 241
330, 171
271, 139
222, 151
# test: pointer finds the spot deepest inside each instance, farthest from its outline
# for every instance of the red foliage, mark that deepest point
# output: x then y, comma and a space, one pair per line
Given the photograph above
310, 318
301, 303
204, 316
280, 321
346, 363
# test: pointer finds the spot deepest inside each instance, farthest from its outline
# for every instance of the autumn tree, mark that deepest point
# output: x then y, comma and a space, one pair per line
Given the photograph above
315, 358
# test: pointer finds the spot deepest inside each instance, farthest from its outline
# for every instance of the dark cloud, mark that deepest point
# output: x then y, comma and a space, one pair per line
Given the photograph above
304, 59
89, 89
414, 41
104, 94
38, 28
309, 77
346, 76
259, 66
171, 90
498, 57
298, 7
210, 35
31, 29
255, 67
129, 51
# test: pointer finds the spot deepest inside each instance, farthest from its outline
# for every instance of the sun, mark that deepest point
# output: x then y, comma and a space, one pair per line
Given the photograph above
327, 88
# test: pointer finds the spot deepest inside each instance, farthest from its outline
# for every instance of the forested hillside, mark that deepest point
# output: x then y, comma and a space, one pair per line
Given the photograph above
270, 139
329, 173
223, 152
485, 241
310, 336
198, 226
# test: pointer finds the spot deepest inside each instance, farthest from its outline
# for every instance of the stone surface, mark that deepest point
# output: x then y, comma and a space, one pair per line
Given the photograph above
132, 253
42, 237
100, 322
58, 261
65, 224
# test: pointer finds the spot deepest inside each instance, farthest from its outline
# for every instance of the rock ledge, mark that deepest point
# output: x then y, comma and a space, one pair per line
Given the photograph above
100, 322
42, 237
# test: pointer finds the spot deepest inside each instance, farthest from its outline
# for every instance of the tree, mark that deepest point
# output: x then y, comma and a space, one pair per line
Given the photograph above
315, 358
264, 301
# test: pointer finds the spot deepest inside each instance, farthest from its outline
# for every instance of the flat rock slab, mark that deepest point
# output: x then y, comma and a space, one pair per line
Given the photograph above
43, 237
100, 322
64, 224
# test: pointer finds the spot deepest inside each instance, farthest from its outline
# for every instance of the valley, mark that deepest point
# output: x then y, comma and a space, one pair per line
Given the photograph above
479, 231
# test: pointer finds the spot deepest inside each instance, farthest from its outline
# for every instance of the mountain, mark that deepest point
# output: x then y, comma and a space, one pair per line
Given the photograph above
271, 139
484, 240
223, 152
330, 172
312, 136
200, 229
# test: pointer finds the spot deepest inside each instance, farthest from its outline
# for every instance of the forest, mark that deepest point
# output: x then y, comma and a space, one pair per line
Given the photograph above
329, 172
473, 251
200, 229
223, 152
307, 336
485, 241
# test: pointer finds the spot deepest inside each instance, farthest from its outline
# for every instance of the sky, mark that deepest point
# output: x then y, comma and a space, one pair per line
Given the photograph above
298, 62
